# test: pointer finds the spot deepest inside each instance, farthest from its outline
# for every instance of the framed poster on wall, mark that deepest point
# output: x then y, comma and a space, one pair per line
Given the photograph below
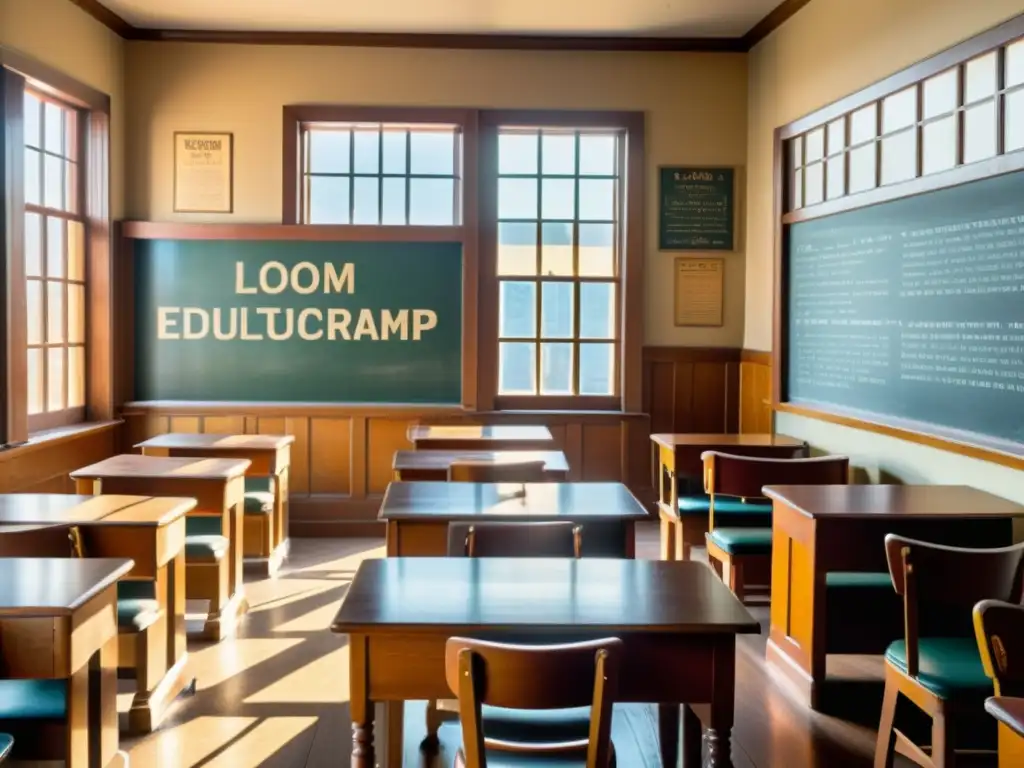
699, 292
696, 209
203, 172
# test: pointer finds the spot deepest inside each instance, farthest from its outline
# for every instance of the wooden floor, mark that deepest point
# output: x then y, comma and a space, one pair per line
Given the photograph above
277, 695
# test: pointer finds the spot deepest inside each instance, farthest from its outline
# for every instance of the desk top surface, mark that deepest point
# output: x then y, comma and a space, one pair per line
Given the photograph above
54, 586
482, 433
189, 441
554, 461
907, 501
711, 441
509, 501
163, 467
565, 595
56, 508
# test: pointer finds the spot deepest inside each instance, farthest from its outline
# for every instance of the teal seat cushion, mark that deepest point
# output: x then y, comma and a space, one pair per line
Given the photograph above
259, 485
945, 665
724, 505
259, 502
532, 726
137, 607
6, 742
33, 699
858, 580
202, 526
206, 547
742, 541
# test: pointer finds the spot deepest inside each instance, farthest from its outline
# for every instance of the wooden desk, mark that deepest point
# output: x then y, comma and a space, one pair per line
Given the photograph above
270, 456
217, 485
417, 514
677, 458
678, 621
433, 465
150, 531
470, 437
58, 620
1009, 712
817, 529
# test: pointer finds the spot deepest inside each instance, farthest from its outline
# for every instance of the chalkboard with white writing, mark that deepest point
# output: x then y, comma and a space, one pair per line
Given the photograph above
913, 310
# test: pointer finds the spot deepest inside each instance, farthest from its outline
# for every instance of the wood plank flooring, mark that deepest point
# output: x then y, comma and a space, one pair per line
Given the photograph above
276, 695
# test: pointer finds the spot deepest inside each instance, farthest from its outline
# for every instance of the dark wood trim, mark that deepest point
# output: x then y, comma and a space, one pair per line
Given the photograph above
100, 328
124, 318
49, 80
631, 307
291, 174
350, 113
546, 403
107, 18
159, 230
779, 292
756, 356
691, 354
470, 260
775, 19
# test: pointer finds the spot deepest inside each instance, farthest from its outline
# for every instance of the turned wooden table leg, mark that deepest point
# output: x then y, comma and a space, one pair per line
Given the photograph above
360, 706
718, 735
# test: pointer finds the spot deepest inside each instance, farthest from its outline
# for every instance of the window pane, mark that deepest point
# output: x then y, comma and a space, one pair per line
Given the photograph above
980, 132
53, 182
899, 157
328, 200
597, 200
433, 152
54, 247
517, 198
556, 369
938, 150
597, 250
33, 244
597, 155
76, 377
517, 368
556, 311
35, 381
70, 186
517, 310
329, 151
33, 111
394, 201
863, 162
76, 250
367, 201
53, 127
814, 183
1014, 137
864, 124
33, 182
55, 379
835, 180
394, 151
558, 199
366, 153
980, 78
54, 311
517, 248
836, 136
556, 250
558, 154
597, 310
432, 202
1015, 64
76, 314
597, 369
899, 110
34, 302
517, 153
940, 93
815, 145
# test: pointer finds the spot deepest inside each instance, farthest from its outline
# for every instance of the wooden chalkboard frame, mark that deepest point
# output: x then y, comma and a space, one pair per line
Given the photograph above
964, 443
663, 242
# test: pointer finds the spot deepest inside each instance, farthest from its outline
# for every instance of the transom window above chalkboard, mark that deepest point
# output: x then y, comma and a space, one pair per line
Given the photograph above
381, 173
971, 112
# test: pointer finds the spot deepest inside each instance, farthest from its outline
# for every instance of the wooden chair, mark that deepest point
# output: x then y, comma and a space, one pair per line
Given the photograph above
740, 532
533, 677
942, 675
207, 561
999, 629
504, 471
258, 516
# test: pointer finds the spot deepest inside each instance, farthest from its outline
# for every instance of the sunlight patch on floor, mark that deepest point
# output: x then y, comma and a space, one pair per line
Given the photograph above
284, 591
218, 663
260, 743
323, 681
190, 743
317, 620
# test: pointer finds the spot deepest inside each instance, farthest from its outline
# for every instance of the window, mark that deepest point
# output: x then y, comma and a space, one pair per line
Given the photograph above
559, 205
55, 262
381, 174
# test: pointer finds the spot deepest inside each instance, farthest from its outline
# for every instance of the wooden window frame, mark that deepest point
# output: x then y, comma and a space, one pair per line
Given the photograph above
16, 72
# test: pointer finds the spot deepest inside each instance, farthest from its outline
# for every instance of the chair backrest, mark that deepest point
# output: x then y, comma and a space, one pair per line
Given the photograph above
553, 539
40, 541
746, 476
534, 677
504, 471
999, 628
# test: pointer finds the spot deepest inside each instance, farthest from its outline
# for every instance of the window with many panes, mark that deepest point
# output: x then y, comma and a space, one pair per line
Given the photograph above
381, 173
55, 261
559, 213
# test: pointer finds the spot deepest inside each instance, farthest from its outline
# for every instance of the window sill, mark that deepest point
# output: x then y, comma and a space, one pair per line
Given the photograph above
49, 438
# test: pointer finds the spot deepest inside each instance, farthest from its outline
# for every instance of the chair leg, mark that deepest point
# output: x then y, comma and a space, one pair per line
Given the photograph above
667, 540
736, 578
885, 746
943, 755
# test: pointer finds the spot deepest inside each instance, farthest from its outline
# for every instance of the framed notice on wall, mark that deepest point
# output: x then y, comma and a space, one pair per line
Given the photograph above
699, 291
696, 209
202, 172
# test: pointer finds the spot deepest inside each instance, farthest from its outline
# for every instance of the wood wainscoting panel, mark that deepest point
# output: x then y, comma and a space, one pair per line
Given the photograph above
692, 389
755, 411
383, 437
330, 441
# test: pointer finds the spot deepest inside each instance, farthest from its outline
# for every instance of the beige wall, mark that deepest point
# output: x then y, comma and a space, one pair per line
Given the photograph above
65, 37
695, 105
830, 49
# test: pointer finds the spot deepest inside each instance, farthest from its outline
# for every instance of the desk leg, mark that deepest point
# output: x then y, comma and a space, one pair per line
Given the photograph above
103, 685
668, 735
360, 706
723, 703
693, 738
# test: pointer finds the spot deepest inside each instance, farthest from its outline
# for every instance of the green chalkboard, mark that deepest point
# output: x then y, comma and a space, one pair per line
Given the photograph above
235, 320
696, 209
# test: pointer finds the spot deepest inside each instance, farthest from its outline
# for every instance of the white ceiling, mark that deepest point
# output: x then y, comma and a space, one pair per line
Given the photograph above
640, 18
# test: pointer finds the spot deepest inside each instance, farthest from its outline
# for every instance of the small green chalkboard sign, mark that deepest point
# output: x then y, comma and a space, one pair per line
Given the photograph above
697, 209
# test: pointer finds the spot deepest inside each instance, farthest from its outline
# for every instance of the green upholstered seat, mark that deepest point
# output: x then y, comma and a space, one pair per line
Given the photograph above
532, 726
33, 699
203, 526
6, 742
206, 547
259, 484
258, 502
742, 541
858, 580
724, 505
137, 607
945, 665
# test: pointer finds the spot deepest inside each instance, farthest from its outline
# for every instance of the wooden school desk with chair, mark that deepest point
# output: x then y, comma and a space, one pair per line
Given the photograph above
213, 529
474, 437
151, 598
436, 465
58, 645
265, 528
828, 551
999, 631
677, 461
